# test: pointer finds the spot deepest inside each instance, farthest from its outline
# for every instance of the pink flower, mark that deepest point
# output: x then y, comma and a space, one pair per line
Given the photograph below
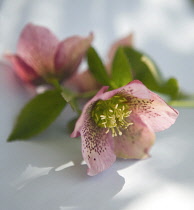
40, 55
121, 123
85, 81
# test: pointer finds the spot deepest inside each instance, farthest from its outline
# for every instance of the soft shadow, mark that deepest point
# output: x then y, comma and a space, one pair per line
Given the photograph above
57, 171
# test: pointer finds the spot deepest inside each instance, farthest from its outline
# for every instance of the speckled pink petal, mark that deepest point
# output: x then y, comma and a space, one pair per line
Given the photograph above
86, 110
37, 46
135, 142
126, 41
70, 53
152, 110
155, 112
134, 88
24, 71
97, 147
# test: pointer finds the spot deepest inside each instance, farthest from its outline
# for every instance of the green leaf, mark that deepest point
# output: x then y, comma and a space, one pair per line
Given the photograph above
37, 115
71, 124
171, 87
144, 69
96, 67
121, 69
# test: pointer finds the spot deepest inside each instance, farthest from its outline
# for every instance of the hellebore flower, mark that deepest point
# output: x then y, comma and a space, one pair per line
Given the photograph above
121, 123
85, 81
40, 55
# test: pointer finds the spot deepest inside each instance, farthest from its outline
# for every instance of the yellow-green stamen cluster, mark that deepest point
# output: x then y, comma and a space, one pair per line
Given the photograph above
112, 114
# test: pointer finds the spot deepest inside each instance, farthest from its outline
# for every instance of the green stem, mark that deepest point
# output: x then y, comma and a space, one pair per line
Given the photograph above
68, 95
182, 103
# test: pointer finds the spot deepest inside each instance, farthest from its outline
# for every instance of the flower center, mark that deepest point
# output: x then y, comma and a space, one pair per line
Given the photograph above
112, 114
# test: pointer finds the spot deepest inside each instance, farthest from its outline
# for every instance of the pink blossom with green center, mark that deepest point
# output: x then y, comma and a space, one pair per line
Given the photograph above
40, 55
121, 123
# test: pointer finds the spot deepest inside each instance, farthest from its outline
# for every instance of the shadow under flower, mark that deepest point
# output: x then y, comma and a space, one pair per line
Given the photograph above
58, 172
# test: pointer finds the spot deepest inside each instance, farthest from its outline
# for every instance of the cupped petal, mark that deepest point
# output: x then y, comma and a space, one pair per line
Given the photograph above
97, 147
156, 113
134, 88
126, 41
37, 46
135, 141
70, 53
23, 70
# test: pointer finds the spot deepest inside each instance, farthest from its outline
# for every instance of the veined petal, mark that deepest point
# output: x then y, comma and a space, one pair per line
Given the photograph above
156, 113
37, 46
97, 147
70, 53
136, 140
24, 71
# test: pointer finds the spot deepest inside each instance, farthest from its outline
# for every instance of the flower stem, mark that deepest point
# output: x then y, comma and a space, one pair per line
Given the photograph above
68, 95
182, 103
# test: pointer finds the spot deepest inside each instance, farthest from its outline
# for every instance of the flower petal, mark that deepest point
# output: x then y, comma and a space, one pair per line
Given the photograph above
70, 53
134, 88
83, 82
97, 147
152, 109
135, 141
156, 113
24, 71
126, 41
37, 46
87, 107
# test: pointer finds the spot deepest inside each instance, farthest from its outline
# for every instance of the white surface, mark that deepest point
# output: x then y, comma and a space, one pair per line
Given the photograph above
47, 172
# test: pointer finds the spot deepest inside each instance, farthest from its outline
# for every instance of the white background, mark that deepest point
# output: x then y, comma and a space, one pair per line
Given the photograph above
46, 172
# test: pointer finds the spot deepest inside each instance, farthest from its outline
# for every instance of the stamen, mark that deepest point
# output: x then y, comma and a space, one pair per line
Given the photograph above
120, 133
107, 131
112, 114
